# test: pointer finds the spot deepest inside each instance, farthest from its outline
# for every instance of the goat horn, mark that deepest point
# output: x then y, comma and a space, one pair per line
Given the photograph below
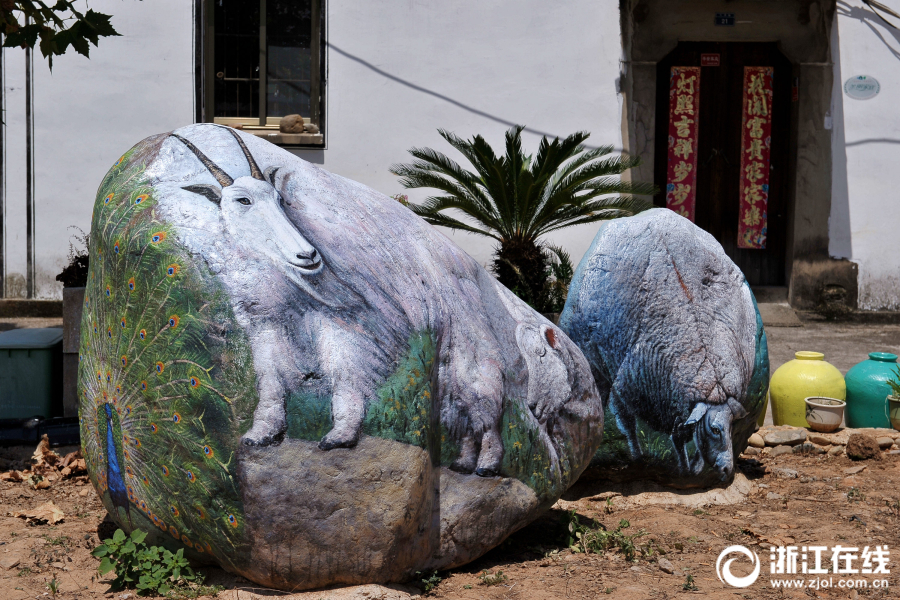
254, 168
221, 176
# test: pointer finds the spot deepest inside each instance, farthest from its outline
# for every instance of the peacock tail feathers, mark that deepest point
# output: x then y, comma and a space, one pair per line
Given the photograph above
162, 364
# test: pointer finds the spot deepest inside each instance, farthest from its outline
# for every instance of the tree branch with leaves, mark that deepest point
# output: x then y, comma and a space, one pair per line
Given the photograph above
53, 27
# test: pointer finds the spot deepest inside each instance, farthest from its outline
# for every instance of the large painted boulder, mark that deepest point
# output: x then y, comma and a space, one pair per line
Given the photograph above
292, 375
675, 340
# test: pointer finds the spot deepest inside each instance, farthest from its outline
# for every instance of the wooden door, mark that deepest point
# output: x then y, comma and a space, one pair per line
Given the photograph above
719, 149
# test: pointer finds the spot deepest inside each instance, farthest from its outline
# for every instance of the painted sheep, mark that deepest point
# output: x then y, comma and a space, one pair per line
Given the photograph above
673, 336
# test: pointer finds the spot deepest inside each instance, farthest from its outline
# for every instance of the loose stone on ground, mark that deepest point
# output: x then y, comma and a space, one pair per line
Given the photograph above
788, 439
862, 447
665, 566
884, 442
782, 473
785, 437
807, 448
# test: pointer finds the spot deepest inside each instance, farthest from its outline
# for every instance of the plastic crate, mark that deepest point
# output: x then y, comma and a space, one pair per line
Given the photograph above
31, 373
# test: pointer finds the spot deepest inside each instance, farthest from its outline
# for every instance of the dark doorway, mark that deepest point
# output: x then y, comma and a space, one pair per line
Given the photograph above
719, 149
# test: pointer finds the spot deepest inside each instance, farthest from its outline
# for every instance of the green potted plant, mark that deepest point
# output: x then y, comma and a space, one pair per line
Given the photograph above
515, 198
893, 399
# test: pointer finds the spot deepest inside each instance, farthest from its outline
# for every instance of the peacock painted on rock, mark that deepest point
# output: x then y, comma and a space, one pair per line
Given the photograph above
163, 379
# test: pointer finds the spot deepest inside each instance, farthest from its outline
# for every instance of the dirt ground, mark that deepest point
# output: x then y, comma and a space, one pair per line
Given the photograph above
822, 505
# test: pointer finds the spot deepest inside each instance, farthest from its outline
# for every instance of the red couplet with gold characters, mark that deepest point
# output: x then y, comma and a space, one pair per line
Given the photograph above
684, 128
756, 144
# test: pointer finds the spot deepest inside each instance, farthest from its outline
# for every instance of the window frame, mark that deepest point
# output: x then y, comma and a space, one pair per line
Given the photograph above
262, 126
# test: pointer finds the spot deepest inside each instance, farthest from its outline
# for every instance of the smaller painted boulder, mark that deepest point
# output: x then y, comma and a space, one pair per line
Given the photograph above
674, 338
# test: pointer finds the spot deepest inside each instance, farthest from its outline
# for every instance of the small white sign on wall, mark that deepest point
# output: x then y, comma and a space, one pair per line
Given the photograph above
862, 87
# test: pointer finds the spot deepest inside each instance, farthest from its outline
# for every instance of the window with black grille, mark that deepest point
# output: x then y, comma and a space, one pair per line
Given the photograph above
264, 62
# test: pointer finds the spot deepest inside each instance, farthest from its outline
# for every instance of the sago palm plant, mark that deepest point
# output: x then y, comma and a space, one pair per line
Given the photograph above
516, 198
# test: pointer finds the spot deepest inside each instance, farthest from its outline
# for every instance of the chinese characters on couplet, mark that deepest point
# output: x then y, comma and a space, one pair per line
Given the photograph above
684, 105
756, 142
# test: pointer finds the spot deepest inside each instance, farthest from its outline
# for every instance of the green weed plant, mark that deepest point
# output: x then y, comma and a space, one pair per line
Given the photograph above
594, 538
429, 582
149, 569
489, 579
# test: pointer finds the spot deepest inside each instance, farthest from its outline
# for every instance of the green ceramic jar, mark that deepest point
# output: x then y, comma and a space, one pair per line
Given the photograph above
794, 381
867, 391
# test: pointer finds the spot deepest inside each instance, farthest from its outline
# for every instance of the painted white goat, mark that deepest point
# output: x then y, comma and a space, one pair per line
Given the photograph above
331, 309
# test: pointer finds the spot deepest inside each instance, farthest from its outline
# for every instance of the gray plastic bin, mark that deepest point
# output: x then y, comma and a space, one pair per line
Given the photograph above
31, 373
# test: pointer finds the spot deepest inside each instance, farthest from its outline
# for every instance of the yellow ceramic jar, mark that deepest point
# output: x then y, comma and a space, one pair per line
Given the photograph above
794, 381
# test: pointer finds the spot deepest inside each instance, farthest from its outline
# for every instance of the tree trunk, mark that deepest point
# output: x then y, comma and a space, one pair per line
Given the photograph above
521, 265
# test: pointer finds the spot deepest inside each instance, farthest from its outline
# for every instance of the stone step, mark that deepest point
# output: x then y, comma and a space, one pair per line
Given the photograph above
770, 294
778, 314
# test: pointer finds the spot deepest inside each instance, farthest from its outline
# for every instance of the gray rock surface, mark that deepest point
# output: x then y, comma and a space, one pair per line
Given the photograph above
372, 507
785, 437
807, 448
781, 450
884, 442
355, 592
666, 566
820, 439
782, 473
756, 441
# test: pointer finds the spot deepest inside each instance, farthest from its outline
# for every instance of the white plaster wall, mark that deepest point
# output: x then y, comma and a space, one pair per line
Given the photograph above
87, 113
14, 169
840, 237
867, 202
398, 71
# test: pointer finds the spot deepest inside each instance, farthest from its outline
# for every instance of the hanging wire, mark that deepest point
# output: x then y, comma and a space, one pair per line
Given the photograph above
878, 8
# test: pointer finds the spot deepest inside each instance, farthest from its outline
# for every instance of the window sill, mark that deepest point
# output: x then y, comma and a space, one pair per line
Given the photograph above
289, 139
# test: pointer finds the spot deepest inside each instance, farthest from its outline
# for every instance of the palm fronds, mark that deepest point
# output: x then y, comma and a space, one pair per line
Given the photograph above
515, 198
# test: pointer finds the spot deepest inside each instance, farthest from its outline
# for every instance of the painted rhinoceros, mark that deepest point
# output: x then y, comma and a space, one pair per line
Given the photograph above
674, 338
